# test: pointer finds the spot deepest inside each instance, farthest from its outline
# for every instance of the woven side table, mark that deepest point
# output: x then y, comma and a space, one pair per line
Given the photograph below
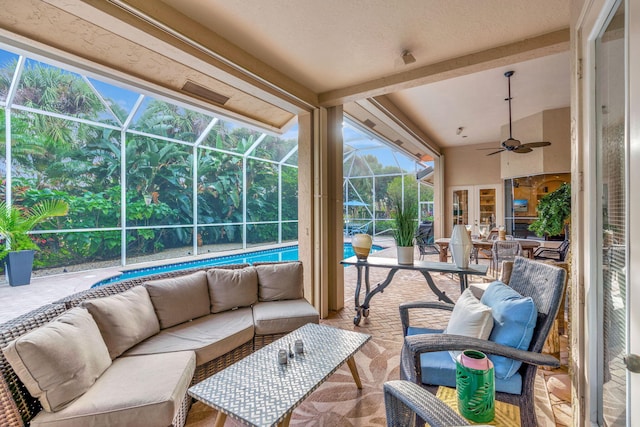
506, 415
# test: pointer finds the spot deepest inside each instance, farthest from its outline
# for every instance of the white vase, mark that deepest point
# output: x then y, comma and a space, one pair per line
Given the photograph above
361, 244
460, 246
405, 255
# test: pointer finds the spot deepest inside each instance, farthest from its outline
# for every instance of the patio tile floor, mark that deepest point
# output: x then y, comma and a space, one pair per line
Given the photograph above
383, 321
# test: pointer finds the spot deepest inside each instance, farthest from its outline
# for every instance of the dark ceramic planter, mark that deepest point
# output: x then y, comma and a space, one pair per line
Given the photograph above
18, 266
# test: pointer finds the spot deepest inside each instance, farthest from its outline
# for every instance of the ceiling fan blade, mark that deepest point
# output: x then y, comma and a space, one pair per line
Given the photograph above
492, 148
537, 144
523, 149
496, 152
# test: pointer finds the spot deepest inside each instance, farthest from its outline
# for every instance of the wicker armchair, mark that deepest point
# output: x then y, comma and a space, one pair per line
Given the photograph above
405, 402
545, 285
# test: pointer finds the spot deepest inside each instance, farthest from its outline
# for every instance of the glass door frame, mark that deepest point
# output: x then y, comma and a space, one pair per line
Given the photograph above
586, 240
474, 202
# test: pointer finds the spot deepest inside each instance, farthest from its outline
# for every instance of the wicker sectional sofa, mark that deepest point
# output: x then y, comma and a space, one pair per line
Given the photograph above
125, 353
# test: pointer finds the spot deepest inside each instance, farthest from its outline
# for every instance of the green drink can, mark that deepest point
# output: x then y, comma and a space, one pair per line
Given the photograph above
475, 386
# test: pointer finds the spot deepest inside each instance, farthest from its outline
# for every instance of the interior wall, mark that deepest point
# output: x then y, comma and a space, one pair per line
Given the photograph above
557, 129
549, 125
468, 165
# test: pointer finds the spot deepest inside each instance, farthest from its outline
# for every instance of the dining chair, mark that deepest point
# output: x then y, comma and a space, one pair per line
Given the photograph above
504, 250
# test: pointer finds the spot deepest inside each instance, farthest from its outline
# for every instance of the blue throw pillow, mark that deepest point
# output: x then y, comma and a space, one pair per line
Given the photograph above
514, 318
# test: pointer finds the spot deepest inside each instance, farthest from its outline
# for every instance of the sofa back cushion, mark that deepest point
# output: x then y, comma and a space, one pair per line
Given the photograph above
179, 299
59, 361
281, 281
230, 289
124, 319
514, 318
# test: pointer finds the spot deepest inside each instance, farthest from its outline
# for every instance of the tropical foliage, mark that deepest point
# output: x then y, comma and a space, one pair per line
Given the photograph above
16, 222
554, 210
405, 218
69, 142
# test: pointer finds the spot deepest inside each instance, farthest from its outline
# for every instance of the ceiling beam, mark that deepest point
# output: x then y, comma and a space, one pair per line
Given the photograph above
536, 47
387, 112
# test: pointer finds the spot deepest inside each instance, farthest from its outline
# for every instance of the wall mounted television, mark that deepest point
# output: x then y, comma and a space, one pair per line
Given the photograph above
520, 205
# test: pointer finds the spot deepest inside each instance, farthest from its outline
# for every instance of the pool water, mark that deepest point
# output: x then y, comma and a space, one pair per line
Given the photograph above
285, 253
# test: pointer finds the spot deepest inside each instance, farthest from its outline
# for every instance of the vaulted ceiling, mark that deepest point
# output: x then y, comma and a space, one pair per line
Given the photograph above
275, 59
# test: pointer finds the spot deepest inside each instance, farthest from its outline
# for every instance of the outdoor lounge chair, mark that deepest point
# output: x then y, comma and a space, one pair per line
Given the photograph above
425, 357
554, 254
424, 239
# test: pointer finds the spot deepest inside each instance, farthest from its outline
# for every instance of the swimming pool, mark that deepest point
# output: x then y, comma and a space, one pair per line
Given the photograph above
285, 253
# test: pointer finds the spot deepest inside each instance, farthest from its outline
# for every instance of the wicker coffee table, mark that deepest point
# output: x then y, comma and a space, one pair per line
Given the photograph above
258, 391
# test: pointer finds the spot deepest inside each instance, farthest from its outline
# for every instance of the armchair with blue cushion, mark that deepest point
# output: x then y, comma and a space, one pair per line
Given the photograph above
521, 316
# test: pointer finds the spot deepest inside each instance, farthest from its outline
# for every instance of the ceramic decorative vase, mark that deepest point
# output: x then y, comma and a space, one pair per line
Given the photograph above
460, 246
361, 244
475, 386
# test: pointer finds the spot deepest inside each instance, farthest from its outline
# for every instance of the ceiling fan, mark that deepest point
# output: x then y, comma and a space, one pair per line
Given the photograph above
512, 144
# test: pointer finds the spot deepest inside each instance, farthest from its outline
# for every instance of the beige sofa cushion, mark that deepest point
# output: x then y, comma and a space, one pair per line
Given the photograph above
124, 319
280, 281
210, 336
229, 289
134, 391
279, 317
61, 360
179, 299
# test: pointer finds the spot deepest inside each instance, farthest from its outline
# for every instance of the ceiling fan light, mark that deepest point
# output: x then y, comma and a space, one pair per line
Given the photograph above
511, 143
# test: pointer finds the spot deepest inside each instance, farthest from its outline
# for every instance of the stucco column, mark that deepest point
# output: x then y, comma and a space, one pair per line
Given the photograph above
332, 242
320, 224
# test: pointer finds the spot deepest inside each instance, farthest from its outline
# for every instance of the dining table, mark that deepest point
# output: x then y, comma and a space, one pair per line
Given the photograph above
527, 245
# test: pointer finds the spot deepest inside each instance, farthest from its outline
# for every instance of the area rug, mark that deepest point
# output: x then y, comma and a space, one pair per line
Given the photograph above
338, 402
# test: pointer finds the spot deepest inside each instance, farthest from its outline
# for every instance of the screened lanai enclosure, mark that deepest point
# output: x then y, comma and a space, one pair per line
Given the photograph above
376, 177
147, 177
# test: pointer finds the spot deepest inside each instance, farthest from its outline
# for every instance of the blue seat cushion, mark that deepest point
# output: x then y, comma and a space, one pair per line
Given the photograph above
514, 319
439, 369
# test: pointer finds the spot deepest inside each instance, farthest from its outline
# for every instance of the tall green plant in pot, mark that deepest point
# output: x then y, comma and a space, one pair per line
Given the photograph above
554, 211
15, 224
405, 220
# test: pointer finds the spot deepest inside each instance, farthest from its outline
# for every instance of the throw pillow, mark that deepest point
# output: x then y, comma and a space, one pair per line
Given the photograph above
230, 289
59, 361
470, 318
282, 281
179, 299
124, 319
514, 319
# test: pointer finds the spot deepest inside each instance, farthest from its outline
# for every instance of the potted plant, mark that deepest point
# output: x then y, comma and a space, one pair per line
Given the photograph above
554, 211
15, 224
405, 218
